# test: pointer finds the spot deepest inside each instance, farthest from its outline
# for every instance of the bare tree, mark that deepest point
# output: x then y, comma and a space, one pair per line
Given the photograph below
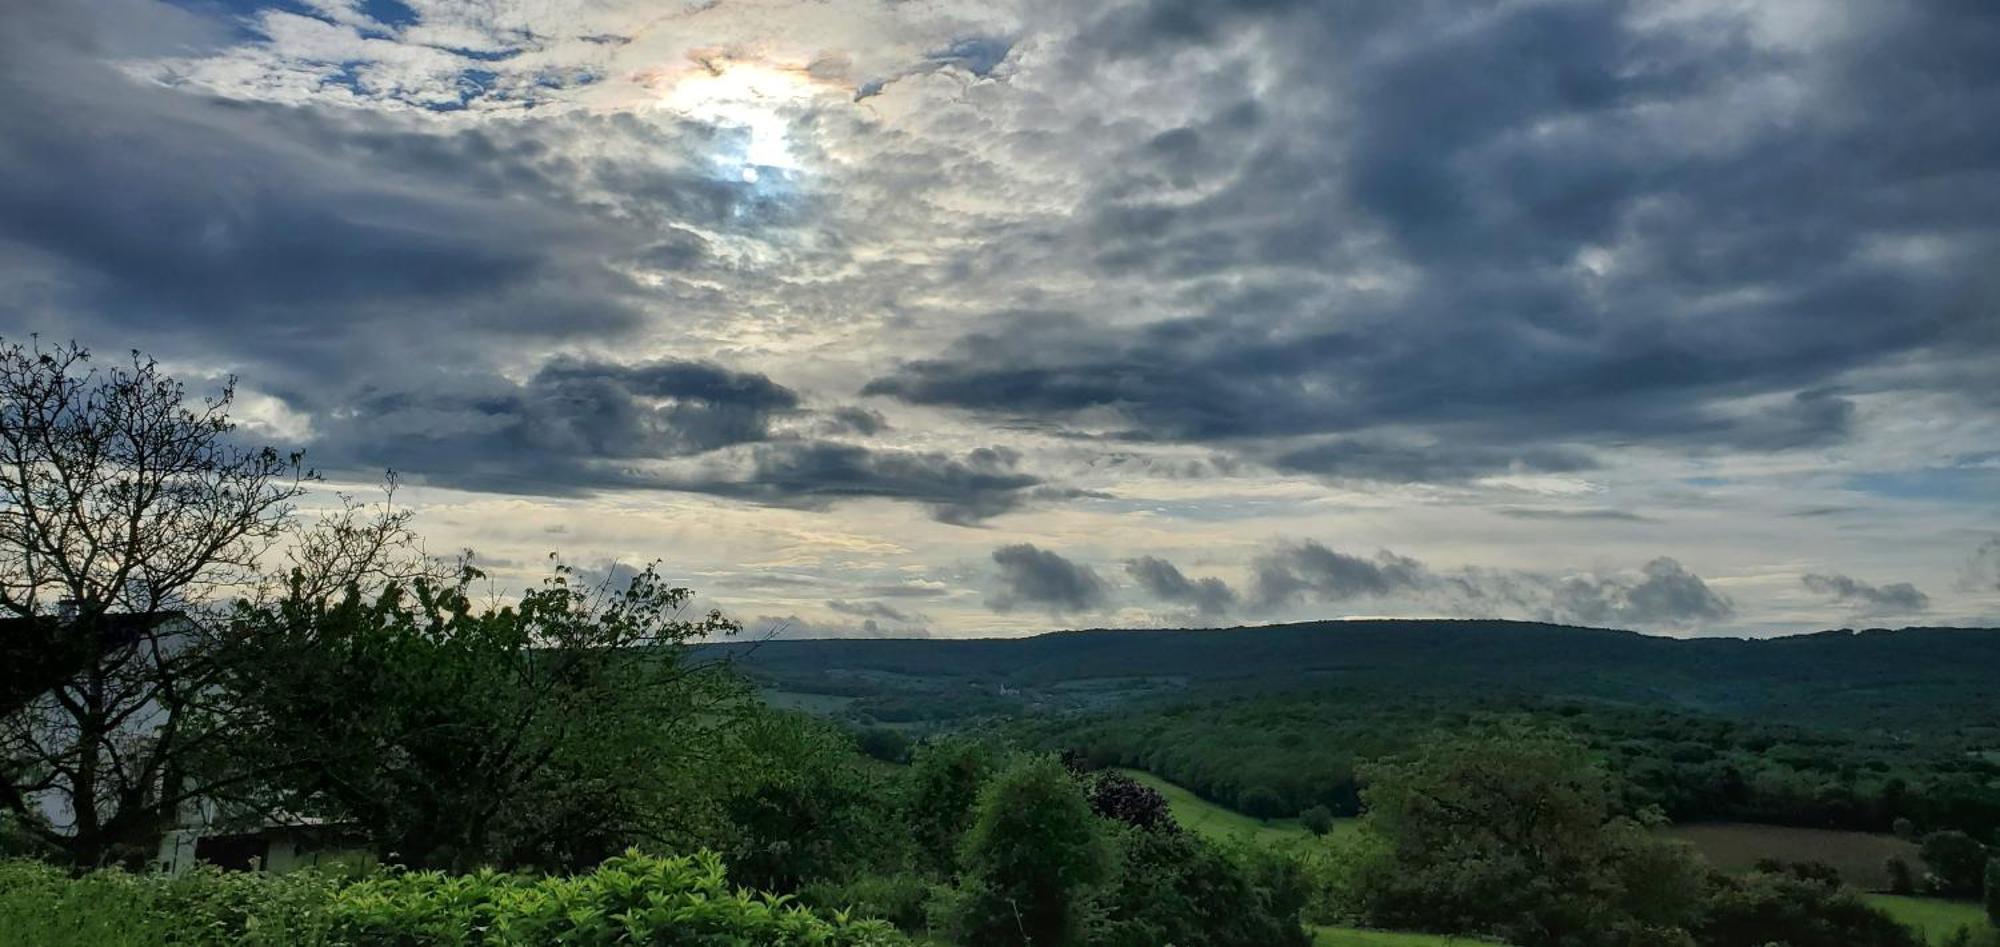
124, 506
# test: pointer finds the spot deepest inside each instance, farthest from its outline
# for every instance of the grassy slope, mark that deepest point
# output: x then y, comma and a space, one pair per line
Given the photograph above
1209, 819
1216, 822
1934, 918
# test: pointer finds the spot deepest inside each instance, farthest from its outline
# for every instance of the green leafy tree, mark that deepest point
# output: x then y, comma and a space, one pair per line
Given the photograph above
802, 806
1032, 859
456, 735
1317, 819
1512, 834
1957, 863
941, 794
1262, 802
1177, 888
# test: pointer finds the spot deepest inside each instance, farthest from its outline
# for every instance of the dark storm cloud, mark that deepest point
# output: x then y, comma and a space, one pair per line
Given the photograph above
1031, 577
305, 245
281, 236
553, 429
1164, 581
1665, 593
962, 490
305, 242
1896, 598
1309, 570
580, 426
876, 610
1662, 593
1602, 229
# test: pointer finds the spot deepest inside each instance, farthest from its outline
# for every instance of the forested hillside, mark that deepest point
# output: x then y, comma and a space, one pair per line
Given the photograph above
1905, 680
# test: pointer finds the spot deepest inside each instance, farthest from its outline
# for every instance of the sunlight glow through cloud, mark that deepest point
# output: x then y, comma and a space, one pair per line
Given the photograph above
756, 98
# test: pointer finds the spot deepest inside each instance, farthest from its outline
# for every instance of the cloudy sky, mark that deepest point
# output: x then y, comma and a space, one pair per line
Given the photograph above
989, 317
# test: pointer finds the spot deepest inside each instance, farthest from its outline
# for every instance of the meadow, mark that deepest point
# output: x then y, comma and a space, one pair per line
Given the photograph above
1225, 824
1937, 920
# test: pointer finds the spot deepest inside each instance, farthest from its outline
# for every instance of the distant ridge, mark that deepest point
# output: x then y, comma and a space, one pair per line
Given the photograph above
1739, 675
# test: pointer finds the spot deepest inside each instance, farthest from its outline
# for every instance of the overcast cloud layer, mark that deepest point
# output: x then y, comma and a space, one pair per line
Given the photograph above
985, 318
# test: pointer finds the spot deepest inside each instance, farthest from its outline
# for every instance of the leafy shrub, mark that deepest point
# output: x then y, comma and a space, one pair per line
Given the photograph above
901, 899
1764, 908
45, 907
1317, 819
630, 899
1957, 862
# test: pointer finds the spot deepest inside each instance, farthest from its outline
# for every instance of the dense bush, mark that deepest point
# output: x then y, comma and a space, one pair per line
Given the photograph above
803, 806
1769, 908
630, 899
1121, 798
942, 789
41, 906
1032, 860
1957, 863
1176, 888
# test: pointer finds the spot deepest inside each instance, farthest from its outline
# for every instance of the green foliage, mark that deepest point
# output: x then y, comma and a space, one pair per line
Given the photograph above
887, 744
1174, 887
536, 734
1764, 908
942, 791
902, 898
802, 805
41, 906
1512, 834
1031, 860
1957, 863
1317, 819
630, 899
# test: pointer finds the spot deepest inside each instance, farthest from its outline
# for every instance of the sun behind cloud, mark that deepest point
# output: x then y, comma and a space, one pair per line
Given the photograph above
758, 96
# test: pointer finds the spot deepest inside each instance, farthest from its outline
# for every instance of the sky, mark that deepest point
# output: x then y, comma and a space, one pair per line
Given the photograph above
928, 317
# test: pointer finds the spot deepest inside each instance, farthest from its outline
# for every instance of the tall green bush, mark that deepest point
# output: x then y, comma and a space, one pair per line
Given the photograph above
1032, 860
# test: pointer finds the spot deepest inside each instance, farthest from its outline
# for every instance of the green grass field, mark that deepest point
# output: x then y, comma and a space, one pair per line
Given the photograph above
1934, 918
1217, 822
1859, 856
